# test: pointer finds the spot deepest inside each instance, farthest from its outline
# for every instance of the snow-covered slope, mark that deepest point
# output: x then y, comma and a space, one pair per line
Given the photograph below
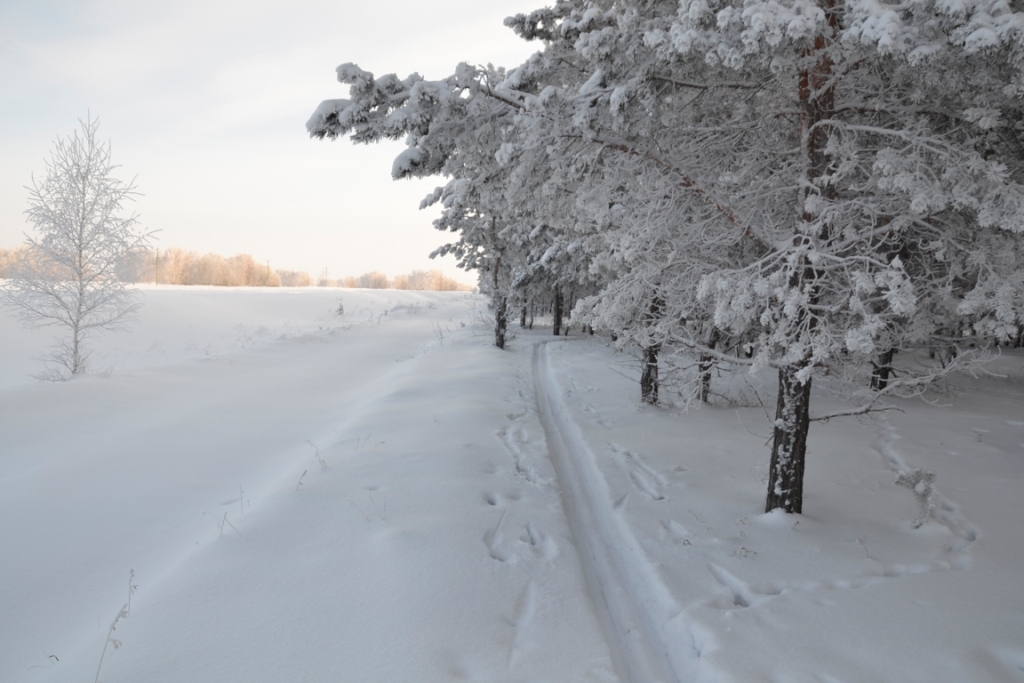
383, 496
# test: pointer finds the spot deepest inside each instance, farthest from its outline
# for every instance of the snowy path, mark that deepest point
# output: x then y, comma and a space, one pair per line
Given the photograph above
430, 546
637, 609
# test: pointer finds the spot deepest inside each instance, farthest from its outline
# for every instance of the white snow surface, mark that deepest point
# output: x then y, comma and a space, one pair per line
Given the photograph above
381, 495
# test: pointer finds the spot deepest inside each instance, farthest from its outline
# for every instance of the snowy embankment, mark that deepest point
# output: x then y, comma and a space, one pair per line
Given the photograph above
304, 495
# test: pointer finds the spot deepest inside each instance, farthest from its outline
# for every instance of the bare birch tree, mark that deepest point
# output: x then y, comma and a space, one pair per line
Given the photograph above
81, 235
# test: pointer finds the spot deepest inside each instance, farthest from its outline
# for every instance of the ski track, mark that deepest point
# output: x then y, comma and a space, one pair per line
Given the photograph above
637, 610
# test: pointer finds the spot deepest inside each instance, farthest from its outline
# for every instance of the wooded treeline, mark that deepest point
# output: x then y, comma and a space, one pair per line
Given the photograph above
182, 267
810, 186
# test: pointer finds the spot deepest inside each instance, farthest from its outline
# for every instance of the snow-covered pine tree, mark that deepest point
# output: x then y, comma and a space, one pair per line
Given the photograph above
830, 181
500, 195
650, 230
450, 129
848, 151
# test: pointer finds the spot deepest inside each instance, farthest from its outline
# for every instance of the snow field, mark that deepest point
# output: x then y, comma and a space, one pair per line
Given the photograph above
432, 547
382, 495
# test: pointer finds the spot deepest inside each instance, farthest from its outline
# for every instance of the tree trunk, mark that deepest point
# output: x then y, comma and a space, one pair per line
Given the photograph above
568, 305
816, 93
500, 303
705, 365
649, 375
522, 315
77, 362
530, 325
789, 445
76, 352
500, 321
881, 370
557, 313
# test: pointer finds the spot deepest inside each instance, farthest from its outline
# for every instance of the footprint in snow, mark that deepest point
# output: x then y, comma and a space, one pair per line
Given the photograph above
492, 539
676, 531
497, 499
543, 545
522, 613
643, 476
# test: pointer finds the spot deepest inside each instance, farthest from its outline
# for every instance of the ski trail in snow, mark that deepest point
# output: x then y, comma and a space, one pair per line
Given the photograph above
636, 608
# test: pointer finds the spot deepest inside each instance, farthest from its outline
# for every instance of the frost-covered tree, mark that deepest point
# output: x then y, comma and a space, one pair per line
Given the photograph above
449, 130
822, 175
81, 237
827, 182
848, 148
465, 127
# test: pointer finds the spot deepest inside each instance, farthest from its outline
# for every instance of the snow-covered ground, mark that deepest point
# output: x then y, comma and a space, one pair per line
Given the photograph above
380, 495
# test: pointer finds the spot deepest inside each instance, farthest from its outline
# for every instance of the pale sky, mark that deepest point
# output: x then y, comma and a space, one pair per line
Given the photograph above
205, 103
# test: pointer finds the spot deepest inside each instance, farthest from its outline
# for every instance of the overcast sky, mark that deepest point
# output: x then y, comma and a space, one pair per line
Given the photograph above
205, 103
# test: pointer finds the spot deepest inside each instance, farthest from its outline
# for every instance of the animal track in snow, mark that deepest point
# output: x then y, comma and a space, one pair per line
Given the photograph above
514, 439
543, 545
496, 499
953, 556
598, 418
644, 477
676, 531
741, 593
492, 539
747, 595
522, 613
935, 505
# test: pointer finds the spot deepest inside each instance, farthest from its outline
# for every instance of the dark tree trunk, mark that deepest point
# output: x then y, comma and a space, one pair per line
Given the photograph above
557, 313
568, 305
522, 316
816, 93
500, 321
789, 445
882, 370
705, 365
530, 325
500, 303
649, 372
649, 375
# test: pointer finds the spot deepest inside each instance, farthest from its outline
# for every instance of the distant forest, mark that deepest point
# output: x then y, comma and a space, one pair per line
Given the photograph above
181, 267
